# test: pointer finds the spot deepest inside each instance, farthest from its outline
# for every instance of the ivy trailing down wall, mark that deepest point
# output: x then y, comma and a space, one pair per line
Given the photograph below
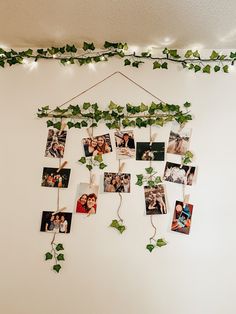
88, 53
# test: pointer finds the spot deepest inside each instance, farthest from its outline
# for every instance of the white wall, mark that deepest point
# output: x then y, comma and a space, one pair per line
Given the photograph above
105, 273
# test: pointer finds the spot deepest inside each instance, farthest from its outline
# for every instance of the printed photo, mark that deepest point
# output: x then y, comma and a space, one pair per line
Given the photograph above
55, 146
182, 217
155, 200
53, 179
86, 198
177, 173
179, 141
117, 182
125, 145
148, 151
59, 222
97, 145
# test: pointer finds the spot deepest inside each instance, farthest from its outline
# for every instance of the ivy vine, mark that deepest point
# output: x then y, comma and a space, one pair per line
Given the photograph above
88, 53
89, 115
55, 254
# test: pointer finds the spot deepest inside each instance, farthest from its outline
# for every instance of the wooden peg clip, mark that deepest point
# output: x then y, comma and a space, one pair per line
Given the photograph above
58, 210
61, 166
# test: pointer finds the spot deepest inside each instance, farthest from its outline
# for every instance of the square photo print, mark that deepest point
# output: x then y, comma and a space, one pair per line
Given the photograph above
182, 217
179, 141
117, 182
86, 198
125, 145
54, 179
58, 222
150, 151
97, 145
155, 200
177, 173
56, 141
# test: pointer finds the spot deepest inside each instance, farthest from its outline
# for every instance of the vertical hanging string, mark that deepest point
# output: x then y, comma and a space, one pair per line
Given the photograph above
120, 167
150, 165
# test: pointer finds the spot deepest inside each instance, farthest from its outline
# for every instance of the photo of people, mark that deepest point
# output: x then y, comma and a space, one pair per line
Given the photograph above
179, 174
150, 151
182, 217
55, 146
52, 178
125, 145
117, 182
58, 222
86, 198
98, 145
179, 141
155, 200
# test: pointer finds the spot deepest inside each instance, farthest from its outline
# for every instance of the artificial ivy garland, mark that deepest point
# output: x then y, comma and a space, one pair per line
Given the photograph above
88, 53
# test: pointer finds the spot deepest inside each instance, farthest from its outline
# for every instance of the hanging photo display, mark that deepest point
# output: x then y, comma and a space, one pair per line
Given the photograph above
178, 173
182, 217
117, 182
125, 145
56, 222
155, 200
179, 141
150, 151
97, 145
86, 198
55, 146
55, 179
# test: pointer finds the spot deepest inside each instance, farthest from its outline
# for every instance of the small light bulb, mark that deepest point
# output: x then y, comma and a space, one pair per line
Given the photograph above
102, 58
54, 56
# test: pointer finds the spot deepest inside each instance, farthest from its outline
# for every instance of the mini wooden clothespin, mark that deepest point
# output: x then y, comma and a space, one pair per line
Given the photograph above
61, 166
63, 126
58, 210
121, 167
92, 180
186, 199
90, 132
152, 138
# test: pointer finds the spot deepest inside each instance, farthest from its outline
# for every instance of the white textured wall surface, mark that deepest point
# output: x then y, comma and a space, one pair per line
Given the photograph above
105, 273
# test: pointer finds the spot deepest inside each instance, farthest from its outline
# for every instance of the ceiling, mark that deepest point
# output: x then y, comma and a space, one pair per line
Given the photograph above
157, 23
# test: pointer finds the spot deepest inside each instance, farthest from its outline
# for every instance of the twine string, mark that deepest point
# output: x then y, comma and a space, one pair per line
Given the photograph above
103, 80
154, 227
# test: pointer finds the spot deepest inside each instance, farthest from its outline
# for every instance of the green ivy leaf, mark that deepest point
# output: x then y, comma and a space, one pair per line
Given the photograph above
60, 257
151, 183
156, 65
49, 123
112, 105
70, 124
121, 228
102, 165
216, 68
150, 247
77, 125
188, 53
127, 62
89, 167
214, 55
57, 267
48, 256
84, 123
57, 125
88, 46
114, 224
86, 105
164, 65
158, 180
196, 54
173, 53
187, 104
207, 69
59, 247
149, 170
98, 158
143, 107
226, 68
161, 242
82, 160
197, 68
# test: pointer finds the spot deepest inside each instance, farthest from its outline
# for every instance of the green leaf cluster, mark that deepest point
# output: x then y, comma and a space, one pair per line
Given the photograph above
89, 115
94, 161
118, 225
158, 243
187, 158
151, 178
56, 255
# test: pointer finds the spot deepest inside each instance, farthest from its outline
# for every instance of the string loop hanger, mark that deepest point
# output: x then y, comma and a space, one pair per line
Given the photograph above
103, 80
